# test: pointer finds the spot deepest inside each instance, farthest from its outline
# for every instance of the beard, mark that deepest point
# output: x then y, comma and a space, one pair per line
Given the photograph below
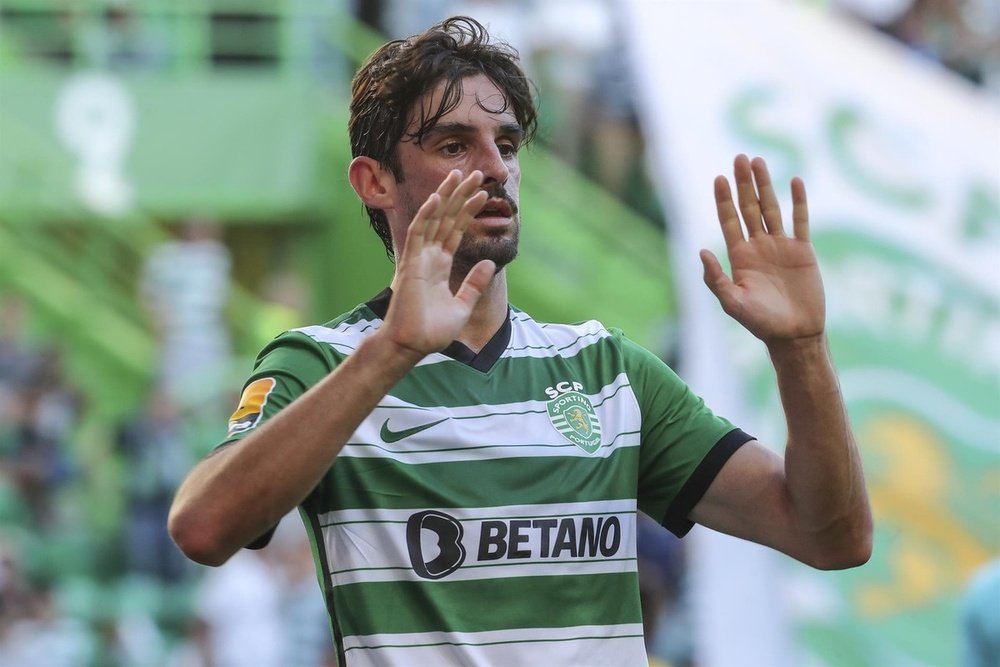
499, 248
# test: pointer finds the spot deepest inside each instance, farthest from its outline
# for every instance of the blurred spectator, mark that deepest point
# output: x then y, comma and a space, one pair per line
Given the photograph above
184, 287
615, 143
284, 298
306, 630
248, 616
16, 352
962, 35
157, 454
124, 40
42, 636
959, 34
564, 55
195, 648
661, 570
240, 603
44, 414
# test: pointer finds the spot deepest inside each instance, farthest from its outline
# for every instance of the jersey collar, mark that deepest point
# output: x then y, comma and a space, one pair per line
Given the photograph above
460, 352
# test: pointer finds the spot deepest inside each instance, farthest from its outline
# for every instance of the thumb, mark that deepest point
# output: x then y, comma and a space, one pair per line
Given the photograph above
475, 283
715, 278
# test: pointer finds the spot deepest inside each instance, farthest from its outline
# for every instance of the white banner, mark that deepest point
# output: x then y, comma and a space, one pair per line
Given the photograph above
901, 162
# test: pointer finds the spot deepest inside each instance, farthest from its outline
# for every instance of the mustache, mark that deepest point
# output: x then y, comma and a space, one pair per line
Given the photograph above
499, 191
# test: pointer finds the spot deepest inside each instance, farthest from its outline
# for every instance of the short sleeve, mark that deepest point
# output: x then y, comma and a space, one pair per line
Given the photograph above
284, 370
683, 443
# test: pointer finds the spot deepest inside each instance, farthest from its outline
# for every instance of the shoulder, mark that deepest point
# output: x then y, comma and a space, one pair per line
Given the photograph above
557, 339
327, 343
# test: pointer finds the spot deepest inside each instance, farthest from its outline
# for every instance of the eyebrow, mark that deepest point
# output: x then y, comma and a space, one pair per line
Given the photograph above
506, 129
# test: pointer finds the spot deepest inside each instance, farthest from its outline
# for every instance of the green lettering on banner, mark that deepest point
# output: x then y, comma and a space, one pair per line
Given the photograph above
846, 126
747, 116
981, 215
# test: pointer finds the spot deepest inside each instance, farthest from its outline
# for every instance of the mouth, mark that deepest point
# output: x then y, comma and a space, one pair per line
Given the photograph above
496, 208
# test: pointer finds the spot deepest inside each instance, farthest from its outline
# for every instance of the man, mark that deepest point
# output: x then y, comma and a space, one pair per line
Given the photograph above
471, 477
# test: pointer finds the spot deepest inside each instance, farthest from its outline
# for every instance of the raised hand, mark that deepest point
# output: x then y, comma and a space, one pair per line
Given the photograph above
424, 315
775, 291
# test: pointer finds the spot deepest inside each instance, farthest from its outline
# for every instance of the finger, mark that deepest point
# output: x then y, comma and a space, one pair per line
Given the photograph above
475, 283
449, 184
463, 191
800, 210
729, 218
443, 194
472, 206
747, 196
417, 231
769, 208
456, 204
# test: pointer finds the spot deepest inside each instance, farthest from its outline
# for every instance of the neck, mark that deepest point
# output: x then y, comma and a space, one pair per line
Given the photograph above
488, 315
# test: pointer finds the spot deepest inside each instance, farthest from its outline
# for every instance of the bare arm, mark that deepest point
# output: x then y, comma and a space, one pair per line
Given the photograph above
236, 494
812, 504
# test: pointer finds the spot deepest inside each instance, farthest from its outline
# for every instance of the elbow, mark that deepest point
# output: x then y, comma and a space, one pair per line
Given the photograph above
196, 538
845, 558
849, 549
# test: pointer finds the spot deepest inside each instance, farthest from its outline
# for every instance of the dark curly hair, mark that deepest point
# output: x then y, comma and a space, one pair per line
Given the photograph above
386, 89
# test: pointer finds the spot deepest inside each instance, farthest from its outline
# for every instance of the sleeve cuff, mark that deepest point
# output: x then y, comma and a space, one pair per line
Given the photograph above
676, 520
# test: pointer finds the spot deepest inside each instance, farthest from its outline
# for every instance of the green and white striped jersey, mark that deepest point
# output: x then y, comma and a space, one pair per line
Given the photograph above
485, 512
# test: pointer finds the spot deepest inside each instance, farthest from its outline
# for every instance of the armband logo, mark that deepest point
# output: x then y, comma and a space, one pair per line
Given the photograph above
573, 415
251, 405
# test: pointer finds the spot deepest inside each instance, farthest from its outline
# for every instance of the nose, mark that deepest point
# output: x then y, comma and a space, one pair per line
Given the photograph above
493, 165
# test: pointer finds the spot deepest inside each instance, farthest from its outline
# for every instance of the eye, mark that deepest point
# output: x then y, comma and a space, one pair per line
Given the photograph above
507, 149
452, 148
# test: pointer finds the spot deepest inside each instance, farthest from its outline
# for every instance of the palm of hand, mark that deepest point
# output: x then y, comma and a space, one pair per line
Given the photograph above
778, 289
775, 291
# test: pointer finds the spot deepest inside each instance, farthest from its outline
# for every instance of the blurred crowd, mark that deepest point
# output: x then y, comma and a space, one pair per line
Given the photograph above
78, 590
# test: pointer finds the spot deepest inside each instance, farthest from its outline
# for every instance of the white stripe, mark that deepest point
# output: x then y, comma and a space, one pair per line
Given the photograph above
509, 570
528, 338
372, 547
345, 338
564, 340
484, 432
580, 646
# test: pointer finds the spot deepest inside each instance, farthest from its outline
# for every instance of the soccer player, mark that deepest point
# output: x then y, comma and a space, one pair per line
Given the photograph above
471, 477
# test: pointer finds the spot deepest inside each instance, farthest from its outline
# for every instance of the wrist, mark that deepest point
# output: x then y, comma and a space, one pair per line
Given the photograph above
799, 349
387, 353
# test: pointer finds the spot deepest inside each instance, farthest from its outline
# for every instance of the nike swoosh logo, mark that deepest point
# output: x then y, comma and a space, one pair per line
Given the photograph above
389, 435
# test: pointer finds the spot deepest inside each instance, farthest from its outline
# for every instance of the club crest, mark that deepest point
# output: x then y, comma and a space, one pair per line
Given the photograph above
574, 416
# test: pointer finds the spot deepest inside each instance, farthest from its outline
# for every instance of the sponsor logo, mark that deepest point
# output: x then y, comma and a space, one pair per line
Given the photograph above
577, 537
251, 405
573, 415
390, 436
450, 552
435, 540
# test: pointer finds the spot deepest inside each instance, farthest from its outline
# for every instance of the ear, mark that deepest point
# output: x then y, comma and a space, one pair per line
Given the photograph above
372, 182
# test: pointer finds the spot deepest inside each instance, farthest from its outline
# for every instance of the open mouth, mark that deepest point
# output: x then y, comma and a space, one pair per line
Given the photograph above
496, 208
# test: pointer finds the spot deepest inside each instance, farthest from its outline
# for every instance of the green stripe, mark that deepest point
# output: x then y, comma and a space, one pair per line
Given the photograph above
396, 607
355, 483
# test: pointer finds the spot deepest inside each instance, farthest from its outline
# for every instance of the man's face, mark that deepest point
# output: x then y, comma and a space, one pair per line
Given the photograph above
473, 135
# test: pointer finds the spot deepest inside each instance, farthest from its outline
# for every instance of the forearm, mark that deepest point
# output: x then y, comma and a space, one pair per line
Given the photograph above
241, 491
823, 471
